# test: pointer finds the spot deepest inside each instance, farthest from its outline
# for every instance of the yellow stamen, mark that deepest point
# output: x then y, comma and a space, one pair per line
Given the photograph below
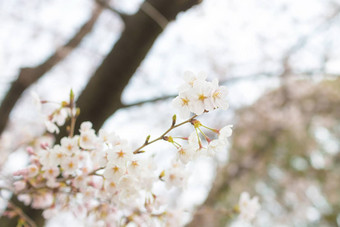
185, 101
202, 97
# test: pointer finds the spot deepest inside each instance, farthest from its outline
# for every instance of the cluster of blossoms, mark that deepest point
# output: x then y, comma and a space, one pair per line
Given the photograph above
59, 115
198, 95
93, 175
98, 176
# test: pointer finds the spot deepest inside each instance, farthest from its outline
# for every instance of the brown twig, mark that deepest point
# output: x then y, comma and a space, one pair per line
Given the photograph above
173, 126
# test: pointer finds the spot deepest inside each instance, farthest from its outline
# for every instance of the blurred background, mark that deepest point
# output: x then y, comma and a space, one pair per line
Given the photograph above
125, 59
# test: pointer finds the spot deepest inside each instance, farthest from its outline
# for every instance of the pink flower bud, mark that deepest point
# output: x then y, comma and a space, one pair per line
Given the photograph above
19, 185
22, 172
30, 151
44, 145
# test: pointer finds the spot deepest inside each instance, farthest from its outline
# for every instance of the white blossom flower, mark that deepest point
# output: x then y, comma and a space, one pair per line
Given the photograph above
193, 140
33, 170
83, 158
85, 126
46, 158
110, 186
59, 116
19, 185
89, 193
107, 137
119, 155
49, 213
176, 176
69, 165
215, 146
80, 181
182, 103
98, 158
225, 133
186, 153
117, 141
70, 144
57, 155
248, 207
146, 173
174, 217
87, 139
52, 183
42, 201
200, 97
25, 198
190, 78
134, 167
36, 100
113, 172
51, 173
129, 191
51, 127
218, 95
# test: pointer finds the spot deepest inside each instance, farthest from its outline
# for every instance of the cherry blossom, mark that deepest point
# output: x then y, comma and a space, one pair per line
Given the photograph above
248, 207
198, 95
176, 176
100, 177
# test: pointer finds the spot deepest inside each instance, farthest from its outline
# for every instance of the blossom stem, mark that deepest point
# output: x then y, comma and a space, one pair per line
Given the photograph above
198, 138
214, 130
205, 136
73, 123
182, 138
73, 115
164, 134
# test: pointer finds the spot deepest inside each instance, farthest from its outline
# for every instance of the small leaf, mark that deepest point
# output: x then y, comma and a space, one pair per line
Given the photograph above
174, 120
147, 139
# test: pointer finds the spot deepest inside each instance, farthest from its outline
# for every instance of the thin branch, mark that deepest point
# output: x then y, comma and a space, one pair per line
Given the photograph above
162, 98
28, 76
173, 126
